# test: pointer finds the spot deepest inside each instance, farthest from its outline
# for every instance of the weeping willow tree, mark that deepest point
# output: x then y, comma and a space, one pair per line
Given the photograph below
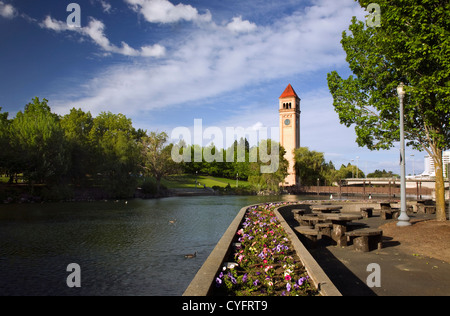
411, 45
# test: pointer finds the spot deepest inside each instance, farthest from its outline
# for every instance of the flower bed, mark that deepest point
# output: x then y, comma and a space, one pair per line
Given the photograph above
264, 261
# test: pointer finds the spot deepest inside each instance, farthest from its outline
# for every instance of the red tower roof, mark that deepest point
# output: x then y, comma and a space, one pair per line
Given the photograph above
289, 92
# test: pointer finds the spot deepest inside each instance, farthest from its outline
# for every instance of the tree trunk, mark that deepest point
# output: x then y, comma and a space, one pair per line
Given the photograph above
440, 187
158, 185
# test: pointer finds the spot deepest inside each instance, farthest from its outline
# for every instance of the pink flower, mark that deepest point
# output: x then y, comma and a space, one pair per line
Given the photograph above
287, 277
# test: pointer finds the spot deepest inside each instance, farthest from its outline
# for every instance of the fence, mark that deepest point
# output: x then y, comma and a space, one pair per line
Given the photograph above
365, 191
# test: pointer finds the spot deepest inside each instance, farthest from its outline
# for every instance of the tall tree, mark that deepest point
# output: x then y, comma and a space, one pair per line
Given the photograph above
116, 145
157, 157
77, 126
411, 46
6, 152
38, 142
310, 165
270, 168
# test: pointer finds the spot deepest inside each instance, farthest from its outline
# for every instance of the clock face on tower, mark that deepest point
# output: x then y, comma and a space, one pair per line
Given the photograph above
287, 122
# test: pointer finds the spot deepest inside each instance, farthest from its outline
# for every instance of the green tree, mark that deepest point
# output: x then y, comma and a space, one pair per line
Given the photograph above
77, 126
348, 172
382, 174
241, 159
37, 139
212, 161
411, 46
116, 148
310, 166
157, 157
6, 151
270, 169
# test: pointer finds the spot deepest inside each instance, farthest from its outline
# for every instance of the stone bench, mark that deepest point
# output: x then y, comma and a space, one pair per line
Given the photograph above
324, 228
366, 212
307, 220
299, 212
312, 234
430, 209
366, 239
390, 214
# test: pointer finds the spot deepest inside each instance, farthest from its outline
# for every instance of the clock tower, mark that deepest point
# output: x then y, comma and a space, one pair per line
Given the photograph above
289, 109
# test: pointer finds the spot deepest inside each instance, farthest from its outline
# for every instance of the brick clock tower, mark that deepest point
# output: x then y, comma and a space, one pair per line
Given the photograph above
290, 130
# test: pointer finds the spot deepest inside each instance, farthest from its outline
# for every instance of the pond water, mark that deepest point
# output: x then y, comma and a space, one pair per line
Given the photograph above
122, 248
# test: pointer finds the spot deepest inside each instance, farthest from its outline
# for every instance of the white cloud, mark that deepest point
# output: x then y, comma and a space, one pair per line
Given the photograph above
95, 31
106, 6
54, 25
238, 26
163, 11
7, 10
212, 60
153, 51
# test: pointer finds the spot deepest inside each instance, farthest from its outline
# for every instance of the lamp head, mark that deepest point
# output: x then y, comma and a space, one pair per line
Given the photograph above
400, 90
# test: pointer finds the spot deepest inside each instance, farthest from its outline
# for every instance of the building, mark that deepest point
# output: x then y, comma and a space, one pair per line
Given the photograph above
430, 170
289, 109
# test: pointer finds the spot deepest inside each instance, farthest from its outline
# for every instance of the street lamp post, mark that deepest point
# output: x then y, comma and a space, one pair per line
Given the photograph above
403, 219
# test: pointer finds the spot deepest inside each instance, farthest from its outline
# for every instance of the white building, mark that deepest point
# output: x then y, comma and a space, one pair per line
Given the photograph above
430, 171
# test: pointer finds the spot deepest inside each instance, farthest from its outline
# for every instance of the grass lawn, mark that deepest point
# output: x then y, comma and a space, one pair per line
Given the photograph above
187, 181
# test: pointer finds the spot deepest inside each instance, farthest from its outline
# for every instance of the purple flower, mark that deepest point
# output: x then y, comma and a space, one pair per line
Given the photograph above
288, 287
244, 278
218, 282
301, 281
232, 278
256, 283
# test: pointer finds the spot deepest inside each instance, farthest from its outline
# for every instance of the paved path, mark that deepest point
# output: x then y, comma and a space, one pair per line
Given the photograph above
402, 272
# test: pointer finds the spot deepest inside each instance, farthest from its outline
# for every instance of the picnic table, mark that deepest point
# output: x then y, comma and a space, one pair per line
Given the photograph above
308, 220
326, 209
392, 213
367, 239
366, 212
385, 205
340, 222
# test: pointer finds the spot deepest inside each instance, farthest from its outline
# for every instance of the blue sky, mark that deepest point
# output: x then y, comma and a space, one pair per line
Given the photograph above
166, 63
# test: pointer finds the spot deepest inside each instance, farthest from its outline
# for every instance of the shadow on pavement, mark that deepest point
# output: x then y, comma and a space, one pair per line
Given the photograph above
344, 279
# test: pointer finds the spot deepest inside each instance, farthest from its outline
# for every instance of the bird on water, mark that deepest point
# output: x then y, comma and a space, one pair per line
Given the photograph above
190, 256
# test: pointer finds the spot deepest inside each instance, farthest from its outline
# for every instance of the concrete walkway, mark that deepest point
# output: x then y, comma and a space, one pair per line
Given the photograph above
402, 272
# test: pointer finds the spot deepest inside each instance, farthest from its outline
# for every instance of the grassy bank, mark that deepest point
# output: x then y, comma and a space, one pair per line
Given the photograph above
189, 182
